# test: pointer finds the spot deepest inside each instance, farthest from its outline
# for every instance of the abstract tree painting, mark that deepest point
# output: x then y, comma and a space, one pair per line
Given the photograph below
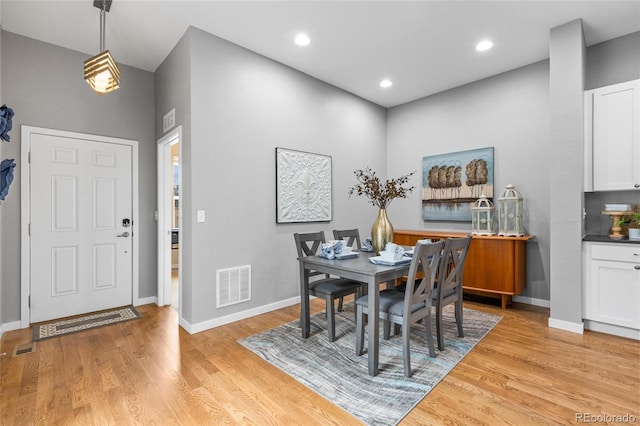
452, 182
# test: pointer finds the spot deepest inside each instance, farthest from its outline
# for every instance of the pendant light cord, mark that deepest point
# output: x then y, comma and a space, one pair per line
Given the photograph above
102, 25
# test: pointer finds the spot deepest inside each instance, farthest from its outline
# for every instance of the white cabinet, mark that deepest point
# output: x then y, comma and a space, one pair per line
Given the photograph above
611, 285
612, 137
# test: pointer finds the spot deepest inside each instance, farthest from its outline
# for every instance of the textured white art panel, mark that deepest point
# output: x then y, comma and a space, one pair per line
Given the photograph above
303, 187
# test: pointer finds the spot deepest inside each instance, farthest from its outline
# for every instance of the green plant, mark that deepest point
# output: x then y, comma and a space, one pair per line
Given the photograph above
632, 220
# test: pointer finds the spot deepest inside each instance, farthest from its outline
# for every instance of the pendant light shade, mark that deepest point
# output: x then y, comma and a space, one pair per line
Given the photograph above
101, 71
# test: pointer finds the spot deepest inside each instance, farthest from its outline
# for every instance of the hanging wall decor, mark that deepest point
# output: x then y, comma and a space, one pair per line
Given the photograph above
8, 164
6, 176
452, 182
6, 117
303, 186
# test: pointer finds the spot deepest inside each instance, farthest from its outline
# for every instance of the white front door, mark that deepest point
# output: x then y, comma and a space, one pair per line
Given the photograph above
81, 233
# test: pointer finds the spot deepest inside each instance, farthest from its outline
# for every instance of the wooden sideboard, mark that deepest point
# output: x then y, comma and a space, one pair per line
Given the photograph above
495, 266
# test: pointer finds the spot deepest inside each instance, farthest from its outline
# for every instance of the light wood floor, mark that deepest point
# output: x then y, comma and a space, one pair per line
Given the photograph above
149, 371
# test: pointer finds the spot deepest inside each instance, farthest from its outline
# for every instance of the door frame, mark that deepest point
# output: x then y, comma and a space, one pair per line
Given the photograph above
25, 210
164, 179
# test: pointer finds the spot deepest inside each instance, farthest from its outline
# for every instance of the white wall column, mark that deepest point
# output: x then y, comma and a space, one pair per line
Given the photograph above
567, 54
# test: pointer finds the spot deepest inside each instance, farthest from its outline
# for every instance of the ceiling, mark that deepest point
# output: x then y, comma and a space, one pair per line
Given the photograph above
424, 47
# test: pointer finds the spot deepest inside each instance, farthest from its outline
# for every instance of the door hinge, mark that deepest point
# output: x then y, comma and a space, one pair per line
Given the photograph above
29, 301
29, 157
29, 229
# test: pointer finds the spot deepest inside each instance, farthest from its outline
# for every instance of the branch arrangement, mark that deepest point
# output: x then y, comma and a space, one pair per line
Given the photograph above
379, 194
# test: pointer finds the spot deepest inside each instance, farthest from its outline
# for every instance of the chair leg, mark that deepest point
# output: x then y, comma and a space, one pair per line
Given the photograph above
439, 328
386, 329
406, 354
427, 323
331, 316
459, 316
359, 330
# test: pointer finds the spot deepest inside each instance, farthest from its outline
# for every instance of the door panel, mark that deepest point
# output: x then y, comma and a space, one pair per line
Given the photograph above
81, 255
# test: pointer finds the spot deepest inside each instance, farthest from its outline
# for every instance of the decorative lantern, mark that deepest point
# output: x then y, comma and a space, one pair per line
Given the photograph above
482, 220
510, 212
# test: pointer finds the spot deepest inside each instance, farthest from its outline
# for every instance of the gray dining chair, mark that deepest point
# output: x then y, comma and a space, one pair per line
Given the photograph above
328, 288
352, 236
406, 308
448, 288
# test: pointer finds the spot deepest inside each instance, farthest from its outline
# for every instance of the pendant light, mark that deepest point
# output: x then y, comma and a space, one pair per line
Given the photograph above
101, 71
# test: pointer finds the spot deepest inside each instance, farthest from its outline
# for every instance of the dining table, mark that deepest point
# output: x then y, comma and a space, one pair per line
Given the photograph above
357, 268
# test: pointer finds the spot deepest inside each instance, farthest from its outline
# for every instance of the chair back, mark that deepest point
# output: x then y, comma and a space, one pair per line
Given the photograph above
351, 235
451, 266
424, 262
308, 245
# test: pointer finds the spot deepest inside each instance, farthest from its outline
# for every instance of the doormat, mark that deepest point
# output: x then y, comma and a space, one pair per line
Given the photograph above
82, 323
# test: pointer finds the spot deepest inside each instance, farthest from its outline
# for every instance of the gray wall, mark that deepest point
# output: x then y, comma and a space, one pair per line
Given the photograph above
236, 107
243, 106
173, 90
614, 61
59, 98
509, 112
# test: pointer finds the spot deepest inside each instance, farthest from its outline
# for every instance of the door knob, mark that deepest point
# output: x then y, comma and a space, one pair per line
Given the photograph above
124, 234
637, 267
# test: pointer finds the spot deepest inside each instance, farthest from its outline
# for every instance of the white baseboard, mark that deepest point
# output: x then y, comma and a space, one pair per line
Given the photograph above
10, 326
217, 322
629, 333
146, 301
532, 301
566, 325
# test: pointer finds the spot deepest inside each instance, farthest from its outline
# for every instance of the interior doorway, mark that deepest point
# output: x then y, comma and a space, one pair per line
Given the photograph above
169, 219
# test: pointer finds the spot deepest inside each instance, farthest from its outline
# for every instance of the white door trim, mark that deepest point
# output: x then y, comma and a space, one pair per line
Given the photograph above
25, 209
164, 219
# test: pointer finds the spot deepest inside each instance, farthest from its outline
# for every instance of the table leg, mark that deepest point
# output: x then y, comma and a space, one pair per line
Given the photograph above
305, 322
373, 326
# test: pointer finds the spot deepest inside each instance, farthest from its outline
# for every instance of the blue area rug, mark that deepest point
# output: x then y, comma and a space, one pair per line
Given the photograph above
334, 371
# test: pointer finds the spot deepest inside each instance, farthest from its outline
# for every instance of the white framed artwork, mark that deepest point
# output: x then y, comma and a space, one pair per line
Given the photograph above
303, 186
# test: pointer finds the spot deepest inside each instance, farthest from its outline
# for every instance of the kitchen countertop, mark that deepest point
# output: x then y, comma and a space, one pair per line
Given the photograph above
606, 239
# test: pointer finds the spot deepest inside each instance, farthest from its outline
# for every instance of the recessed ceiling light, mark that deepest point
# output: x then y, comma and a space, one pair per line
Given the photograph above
302, 40
484, 45
386, 83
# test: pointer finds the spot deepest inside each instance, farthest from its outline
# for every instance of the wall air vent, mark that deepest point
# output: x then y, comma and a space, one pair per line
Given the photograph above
169, 120
233, 285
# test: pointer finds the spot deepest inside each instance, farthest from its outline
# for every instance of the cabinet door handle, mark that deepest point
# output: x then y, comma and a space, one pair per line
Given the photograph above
637, 185
637, 267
